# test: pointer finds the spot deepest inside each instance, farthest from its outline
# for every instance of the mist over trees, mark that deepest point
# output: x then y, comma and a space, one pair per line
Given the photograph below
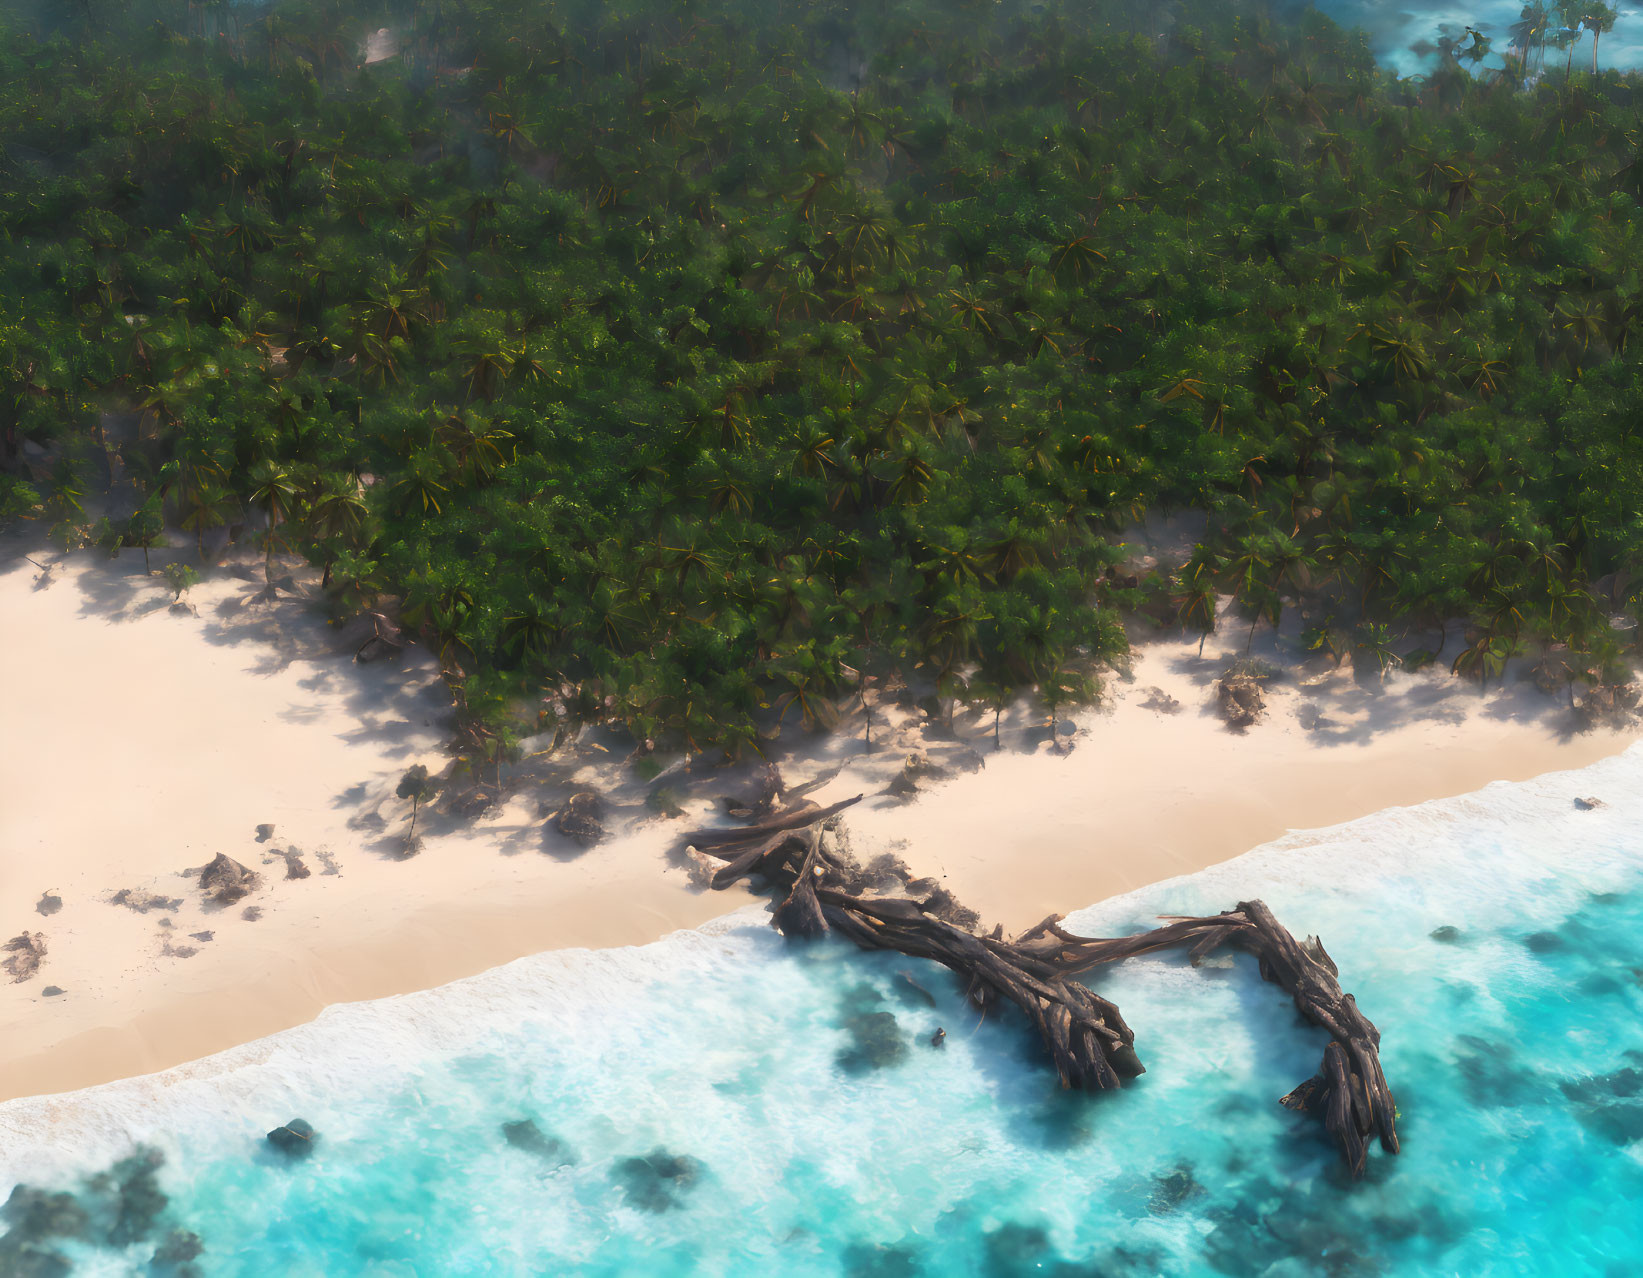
687, 364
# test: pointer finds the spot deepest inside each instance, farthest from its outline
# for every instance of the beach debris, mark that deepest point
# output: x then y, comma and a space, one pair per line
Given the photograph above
525, 1135
915, 768
768, 787
142, 900
52, 991
1160, 701
296, 1139
939, 1038
1240, 700
656, 1181
1584, 805
225, 880
581, 818
1612, 705
821, 890
27, 950
264, 832
327, 862
251, 913
48, 904
294, 868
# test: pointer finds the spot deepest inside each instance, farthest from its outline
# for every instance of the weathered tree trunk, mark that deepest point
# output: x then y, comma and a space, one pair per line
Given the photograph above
821, 890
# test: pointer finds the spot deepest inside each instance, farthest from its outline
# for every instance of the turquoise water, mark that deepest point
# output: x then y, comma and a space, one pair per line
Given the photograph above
721, 1103
1403, 35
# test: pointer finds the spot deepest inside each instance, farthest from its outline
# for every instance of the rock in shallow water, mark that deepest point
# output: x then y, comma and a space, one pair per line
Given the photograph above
295, 1140
524, 1134
657, 1181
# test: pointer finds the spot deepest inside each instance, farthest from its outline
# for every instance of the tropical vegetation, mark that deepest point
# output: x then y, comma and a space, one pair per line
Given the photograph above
693, 364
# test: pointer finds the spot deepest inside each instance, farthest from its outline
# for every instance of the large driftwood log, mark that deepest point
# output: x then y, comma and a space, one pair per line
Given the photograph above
822, 890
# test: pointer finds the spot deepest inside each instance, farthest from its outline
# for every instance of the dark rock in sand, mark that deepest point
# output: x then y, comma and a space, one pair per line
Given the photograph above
225, 880
203, 936
524, 1134
294, 868
295, 1140
48, 904
657, 1181
581, 818
143, 901
251, 913
27, 949
52, 991
1240, 700
1448, 934
967, 760
1159, 700
264, 832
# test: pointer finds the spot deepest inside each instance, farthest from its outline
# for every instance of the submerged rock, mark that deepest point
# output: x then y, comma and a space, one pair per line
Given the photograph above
524, 1134
225, 880
1448, 934
34, 1214
295, 1140
27, 950
171, 1257
657, 1181
582, 818
141, 1199
1172, 1189
876, 1037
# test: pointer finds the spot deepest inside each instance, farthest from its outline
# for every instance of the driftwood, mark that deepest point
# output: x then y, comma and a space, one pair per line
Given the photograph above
822, 890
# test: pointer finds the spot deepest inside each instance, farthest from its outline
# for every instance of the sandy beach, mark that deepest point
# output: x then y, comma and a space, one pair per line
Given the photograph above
139, 740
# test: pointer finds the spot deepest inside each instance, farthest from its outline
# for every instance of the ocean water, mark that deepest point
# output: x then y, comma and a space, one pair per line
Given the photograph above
724, 1103
1404, 36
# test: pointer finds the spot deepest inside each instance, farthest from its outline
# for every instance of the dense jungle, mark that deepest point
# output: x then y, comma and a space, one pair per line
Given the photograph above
697, 365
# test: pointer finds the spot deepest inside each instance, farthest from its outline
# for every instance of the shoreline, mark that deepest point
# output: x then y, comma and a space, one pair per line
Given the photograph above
252, 719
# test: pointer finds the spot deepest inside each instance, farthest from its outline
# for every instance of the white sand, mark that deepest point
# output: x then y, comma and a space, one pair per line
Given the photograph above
137, 742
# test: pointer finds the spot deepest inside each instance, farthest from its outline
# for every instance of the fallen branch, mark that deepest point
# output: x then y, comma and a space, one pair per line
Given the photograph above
822, 890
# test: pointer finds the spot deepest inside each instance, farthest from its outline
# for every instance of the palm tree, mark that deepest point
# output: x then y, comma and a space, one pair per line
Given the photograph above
273, 489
